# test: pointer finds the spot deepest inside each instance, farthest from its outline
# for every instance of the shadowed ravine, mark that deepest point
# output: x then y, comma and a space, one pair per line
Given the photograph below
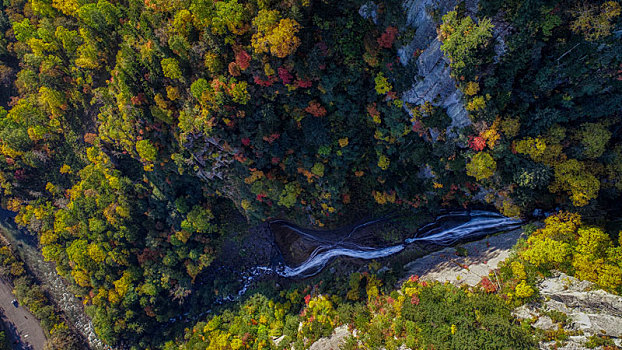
306, 252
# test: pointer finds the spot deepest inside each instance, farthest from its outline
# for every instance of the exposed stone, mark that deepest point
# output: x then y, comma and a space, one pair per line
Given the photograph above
500, 31
525, 312
589, 311
278, 340
481, 257
434, 84
575, 342
369, 10
333, 342
545, 322
384, 270
592, 311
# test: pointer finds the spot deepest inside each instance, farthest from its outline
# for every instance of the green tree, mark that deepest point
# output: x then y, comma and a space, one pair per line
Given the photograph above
199, 220
594, 137
229, 15
146, 150
462, 39
23, 30
170, 68
198, 87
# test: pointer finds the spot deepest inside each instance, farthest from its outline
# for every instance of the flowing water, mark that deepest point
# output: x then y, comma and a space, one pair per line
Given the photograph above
45, 272
322, 246
305, 253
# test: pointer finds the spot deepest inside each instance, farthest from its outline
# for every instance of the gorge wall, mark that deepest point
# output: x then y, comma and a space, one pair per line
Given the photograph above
434, 83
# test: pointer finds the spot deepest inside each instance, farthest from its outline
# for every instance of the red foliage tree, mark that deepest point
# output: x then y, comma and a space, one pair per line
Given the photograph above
271, 138
388, 37
477, 143
488, 286
264, 83
138, 99
304, 83
315, 109
285, 75
243, 59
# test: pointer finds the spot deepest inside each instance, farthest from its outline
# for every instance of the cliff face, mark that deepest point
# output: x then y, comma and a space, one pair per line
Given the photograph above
433, 84
586, 311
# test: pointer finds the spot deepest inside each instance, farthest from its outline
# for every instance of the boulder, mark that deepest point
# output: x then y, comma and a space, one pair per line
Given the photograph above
334, 342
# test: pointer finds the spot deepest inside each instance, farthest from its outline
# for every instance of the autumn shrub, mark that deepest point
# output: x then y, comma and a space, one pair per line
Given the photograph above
523, 290
318, 318
422, 315
598, 340
416, 315
258, 320
565, 243
449, 317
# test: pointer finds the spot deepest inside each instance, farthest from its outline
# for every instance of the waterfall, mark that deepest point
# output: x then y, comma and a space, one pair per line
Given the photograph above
446, 230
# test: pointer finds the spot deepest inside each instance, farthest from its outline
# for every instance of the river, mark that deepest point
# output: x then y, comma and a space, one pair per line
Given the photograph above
58, 289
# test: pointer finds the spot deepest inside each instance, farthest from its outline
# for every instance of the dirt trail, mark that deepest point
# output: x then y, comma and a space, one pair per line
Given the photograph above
21, 324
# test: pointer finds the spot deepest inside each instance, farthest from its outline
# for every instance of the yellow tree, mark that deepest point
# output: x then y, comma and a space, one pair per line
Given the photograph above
573, 177
594, 21
274, 36
264, 22
283, 40
481, 166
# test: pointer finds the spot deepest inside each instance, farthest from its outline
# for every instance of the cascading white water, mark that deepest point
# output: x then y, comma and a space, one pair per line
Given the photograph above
317, 261
445, 230
477, 223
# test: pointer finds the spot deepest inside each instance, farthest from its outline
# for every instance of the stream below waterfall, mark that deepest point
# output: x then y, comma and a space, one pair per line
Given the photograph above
301, 253
322, 246
305, 252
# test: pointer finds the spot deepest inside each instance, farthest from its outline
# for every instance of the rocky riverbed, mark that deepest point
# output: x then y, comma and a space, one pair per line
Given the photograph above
45, 272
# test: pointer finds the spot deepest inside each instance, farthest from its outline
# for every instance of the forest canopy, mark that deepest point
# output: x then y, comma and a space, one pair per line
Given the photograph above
134, 133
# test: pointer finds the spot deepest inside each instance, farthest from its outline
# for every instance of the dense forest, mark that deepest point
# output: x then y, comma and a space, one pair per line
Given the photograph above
136, 136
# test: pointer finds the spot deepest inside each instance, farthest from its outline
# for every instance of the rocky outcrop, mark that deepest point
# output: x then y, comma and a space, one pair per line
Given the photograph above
477, 260
434, 83
334, 342
589, 311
